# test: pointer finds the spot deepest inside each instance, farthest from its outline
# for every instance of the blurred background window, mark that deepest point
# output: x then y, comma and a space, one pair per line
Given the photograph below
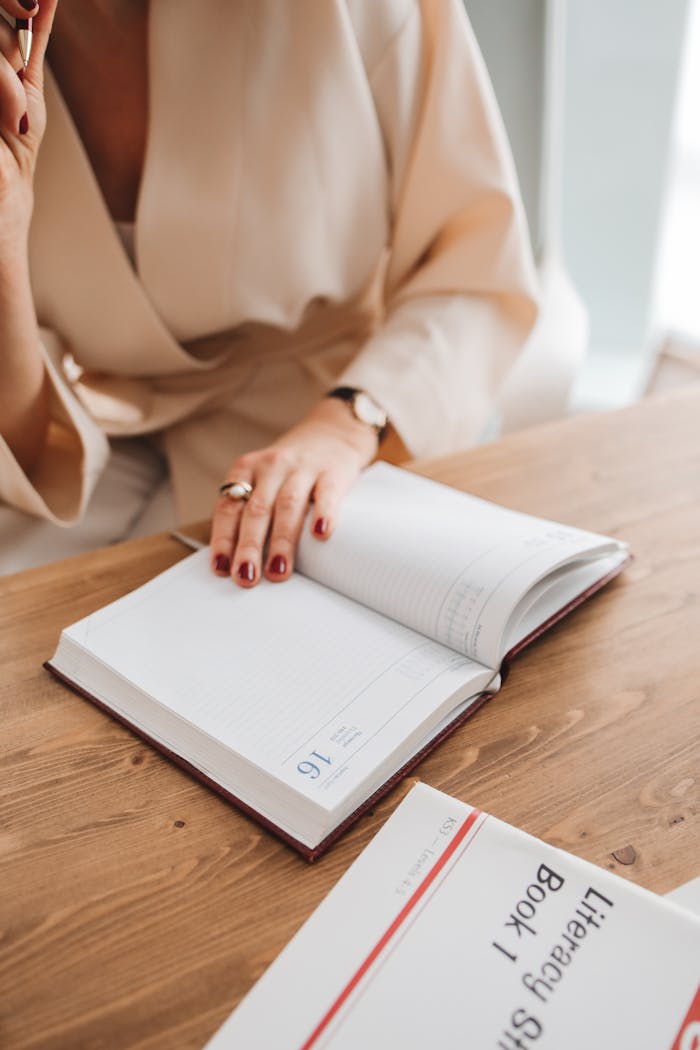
601, 100
676, 313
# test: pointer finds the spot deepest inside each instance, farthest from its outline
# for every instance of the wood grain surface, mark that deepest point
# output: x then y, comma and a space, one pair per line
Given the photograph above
137, 908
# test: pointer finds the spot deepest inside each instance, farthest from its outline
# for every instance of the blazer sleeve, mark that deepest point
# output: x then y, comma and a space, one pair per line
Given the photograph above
460, 286
75, 454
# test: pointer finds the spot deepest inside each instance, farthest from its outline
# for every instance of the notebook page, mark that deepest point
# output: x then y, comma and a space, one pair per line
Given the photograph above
451, 566
546, 598
298, 680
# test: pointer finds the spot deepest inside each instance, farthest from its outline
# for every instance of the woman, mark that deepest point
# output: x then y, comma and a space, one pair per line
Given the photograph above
322, 197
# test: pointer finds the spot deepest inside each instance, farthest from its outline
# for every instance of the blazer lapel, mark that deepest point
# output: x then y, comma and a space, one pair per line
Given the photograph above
262, 121
84, 285
258, 113
186, 254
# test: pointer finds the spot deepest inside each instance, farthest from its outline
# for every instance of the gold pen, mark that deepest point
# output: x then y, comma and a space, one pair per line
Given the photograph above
24, 38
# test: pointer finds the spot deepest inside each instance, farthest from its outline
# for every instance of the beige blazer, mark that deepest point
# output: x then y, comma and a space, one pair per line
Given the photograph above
327, 197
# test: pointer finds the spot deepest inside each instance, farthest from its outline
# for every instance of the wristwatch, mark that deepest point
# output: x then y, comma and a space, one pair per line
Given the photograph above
364, 408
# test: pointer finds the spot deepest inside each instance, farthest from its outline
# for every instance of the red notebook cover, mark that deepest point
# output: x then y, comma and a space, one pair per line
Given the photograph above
308, 852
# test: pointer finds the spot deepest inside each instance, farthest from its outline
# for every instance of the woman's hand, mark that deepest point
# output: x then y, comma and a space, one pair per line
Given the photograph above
318, 459
23, 391
22, 120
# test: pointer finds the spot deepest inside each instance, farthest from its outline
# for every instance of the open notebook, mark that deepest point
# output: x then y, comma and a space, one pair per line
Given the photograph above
301, 701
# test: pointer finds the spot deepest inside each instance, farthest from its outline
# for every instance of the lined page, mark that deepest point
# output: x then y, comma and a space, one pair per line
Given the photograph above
298, 680
451, 566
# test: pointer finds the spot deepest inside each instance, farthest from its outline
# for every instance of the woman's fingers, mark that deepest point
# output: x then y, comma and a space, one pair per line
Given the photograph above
224, 531
240, 528
272, 469
329, 492
42, 25
20, 8
13, 99
42, 17
322, 455
9, 46
288, 516
21, 90
224, 528
275, 511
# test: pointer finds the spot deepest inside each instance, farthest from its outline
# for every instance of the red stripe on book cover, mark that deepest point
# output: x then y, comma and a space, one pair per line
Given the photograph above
389, 933
688, 1037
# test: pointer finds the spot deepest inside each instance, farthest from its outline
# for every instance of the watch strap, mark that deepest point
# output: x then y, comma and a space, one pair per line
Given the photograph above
349, 393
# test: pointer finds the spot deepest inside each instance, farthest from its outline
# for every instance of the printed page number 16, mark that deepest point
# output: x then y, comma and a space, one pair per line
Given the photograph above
311, 769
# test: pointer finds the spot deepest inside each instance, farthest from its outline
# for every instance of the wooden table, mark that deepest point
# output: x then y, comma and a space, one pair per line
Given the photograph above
136, 907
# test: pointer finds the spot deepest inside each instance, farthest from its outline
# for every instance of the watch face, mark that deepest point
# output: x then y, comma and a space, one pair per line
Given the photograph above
369, 411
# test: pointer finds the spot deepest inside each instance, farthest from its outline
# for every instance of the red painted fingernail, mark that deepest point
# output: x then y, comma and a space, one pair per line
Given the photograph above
278, 565
321, 527
246, 571
28, 5
222, 564
24, 125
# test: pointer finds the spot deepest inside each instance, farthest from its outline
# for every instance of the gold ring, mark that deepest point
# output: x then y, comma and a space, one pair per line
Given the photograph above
236, 490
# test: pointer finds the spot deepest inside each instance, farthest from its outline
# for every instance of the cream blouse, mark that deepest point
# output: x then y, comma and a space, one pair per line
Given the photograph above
327, 197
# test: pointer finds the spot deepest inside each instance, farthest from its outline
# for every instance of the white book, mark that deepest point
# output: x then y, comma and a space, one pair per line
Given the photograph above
455, 930
301, 701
